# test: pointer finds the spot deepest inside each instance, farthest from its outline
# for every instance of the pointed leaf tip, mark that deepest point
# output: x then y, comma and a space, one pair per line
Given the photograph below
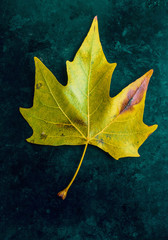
37, 60
95, 18
150, 73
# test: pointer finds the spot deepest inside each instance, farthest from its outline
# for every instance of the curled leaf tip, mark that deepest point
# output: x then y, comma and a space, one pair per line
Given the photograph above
63, 194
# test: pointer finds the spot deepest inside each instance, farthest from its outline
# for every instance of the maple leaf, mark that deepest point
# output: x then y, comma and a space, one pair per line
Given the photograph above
82, 112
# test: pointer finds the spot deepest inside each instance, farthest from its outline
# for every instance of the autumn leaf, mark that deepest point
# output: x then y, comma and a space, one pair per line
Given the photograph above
82, 112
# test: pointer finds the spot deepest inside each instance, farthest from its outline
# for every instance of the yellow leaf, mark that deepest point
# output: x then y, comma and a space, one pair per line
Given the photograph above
82, 112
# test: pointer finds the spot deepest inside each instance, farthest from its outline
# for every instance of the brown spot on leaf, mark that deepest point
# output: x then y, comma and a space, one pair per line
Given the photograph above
80, 122
100, 141
108, 136
43, 135
39, 85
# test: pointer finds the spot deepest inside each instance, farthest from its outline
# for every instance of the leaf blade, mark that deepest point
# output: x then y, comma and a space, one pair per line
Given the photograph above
84, 105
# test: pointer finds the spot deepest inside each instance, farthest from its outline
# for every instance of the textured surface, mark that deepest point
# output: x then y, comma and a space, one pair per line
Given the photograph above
82, 112
118, 200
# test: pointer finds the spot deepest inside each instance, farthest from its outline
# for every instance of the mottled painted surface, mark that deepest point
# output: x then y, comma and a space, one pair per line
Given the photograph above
115, 200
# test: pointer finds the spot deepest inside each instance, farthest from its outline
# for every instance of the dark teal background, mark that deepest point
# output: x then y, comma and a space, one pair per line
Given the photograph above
114, 200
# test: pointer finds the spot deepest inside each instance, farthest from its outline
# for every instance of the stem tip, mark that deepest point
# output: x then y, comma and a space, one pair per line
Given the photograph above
63, 193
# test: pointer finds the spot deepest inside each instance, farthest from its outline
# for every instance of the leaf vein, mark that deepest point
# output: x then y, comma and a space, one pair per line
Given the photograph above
96, 108
52, 122
124, 133
70, 136
60, 107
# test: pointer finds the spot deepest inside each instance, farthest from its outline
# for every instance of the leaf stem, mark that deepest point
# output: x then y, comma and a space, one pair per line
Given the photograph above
64, 192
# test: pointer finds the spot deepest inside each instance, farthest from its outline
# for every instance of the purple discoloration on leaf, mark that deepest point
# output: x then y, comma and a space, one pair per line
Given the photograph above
140, 92
136, 95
